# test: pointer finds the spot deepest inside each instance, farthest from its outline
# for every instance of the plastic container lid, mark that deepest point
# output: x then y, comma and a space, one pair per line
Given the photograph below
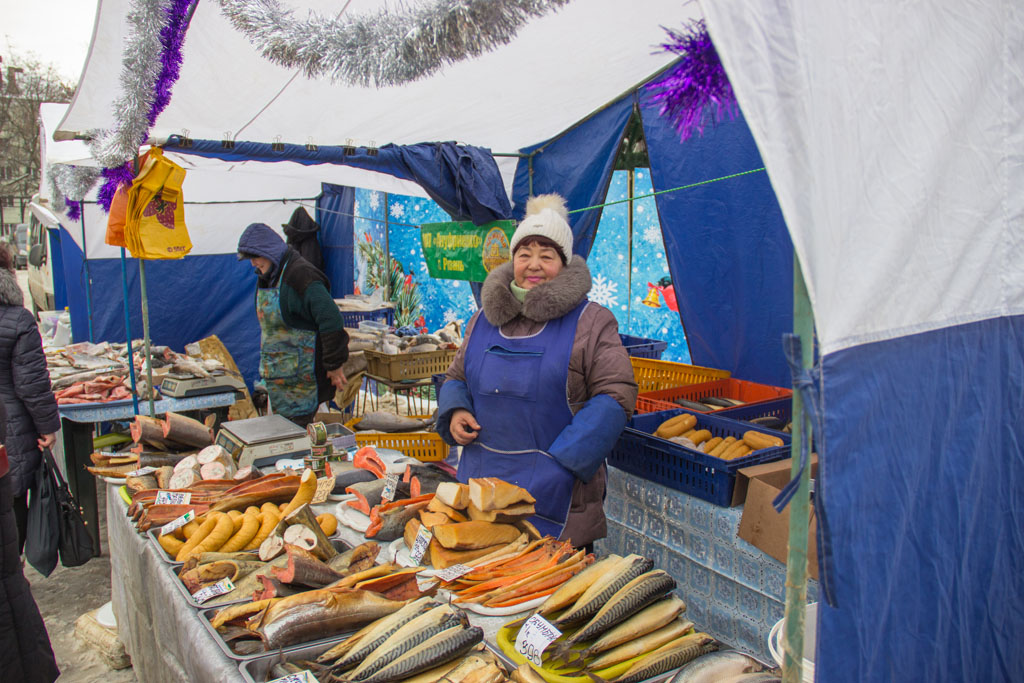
810, 641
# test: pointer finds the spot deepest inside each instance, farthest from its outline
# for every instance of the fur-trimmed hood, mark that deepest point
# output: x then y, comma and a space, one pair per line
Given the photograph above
10, 292
546, 301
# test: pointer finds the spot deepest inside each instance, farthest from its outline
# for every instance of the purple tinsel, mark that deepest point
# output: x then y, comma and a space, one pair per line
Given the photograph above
172, 37
73, 209
696, 86
115, 178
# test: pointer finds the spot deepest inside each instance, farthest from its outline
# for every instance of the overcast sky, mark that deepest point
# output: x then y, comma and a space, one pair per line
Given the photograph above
54, 31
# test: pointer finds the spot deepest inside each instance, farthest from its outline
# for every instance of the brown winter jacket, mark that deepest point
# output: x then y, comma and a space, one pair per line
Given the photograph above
598, 364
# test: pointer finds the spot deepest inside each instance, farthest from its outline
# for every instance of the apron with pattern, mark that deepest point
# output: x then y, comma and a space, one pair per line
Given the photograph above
287, 358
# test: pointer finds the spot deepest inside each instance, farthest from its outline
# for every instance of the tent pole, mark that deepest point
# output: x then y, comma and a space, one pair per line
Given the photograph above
88, 287
145, 336
799, 506
128, 333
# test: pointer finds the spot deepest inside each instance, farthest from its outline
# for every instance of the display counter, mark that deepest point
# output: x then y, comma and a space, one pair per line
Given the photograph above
733, 591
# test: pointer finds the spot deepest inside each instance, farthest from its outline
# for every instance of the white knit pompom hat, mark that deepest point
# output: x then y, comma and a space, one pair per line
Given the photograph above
546, 216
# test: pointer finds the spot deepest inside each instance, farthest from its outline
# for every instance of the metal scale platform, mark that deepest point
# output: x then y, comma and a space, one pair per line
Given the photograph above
263, 440
184, 386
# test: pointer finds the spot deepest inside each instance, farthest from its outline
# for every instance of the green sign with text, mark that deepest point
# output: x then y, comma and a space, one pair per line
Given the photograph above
463, 251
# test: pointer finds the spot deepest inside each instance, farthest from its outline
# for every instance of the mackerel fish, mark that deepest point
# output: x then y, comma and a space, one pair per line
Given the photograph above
595, 597
443, 647
645, 643
671, 655
715, 666
407, 637
643, 622
361, 643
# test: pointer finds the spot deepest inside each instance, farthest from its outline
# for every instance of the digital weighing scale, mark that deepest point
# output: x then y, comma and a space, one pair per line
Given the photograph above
263, 440
183, 386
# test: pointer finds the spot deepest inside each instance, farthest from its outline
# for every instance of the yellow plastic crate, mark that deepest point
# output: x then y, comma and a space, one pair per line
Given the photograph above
400, 366
655, 375
424, 446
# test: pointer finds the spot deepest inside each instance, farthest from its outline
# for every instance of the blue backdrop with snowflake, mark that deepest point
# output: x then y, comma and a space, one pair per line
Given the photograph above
620, 276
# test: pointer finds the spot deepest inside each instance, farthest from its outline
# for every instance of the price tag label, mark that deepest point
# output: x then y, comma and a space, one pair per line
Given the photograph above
297, 677
420, 545
534, 637
173, 498
390, 486
141, 472
220, 588
453, 572
171, 527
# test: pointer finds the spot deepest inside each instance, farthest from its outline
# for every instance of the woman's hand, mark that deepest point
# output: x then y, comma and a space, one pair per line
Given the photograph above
464, 427
46, 440
337, 377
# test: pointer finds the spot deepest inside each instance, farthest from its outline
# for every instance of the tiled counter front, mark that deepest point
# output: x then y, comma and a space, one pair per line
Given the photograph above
732, 590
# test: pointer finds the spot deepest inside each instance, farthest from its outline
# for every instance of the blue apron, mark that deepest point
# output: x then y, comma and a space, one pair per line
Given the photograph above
287, 358
519, 388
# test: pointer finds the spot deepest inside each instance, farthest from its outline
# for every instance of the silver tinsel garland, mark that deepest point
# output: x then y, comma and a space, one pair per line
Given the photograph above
386, 48
140, 68
71, 182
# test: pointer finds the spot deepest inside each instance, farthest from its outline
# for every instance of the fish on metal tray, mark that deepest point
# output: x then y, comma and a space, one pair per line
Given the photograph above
443, 647
380, 421
716, 666
355, 648
387, 521
320, 613
671, 655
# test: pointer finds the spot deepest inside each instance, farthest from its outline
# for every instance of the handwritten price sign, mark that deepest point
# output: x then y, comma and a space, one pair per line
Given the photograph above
534, 637
170, 527
420, 545
220, 588
390, 486
298, 677
173, 498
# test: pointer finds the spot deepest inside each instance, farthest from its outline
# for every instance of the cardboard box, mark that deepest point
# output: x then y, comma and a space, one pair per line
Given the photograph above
760, 524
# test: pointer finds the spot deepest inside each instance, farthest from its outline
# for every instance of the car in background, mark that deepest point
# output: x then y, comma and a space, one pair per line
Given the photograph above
40, 274
18, 244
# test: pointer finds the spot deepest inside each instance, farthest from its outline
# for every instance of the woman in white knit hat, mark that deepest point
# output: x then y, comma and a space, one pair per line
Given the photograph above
542, 386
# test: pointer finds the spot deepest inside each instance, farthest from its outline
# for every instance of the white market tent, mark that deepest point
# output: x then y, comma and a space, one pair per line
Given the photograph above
893, 139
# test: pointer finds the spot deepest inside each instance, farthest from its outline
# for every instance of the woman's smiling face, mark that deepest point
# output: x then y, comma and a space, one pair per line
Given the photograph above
533, 264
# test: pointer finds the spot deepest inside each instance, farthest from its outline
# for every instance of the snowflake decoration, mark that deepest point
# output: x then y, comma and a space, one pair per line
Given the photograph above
451, 316
651, 234
374, 200
397, 211
604, 291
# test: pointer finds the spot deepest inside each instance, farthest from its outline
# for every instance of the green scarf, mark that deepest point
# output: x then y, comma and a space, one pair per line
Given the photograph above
518, 291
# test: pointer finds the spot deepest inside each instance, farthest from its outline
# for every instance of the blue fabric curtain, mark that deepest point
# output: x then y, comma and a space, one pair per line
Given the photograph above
577, 165
55, 253
923, 478
334, 209
727, 246
463, 180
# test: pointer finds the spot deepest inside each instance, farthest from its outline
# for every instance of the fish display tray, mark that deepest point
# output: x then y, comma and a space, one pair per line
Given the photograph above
424, 446
665, 462
642, 347
154, 535
207, 615
382, 315
339, 545
653, 375
400, 366
751, 393
257, 669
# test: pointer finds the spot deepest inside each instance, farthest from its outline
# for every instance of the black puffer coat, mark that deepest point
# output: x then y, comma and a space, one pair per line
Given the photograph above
27, 406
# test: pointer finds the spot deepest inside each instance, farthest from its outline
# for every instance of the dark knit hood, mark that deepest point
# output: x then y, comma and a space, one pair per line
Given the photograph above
259, 240
10, 292
546, 301
300, 226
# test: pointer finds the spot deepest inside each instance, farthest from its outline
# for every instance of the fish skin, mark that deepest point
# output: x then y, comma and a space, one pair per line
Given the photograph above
628, 572
670, 656
638, 646
643, 622
320, 613
380, 421
413, 640
389, 525
627, 601
355, 560
355, 475
713, 667
443, 647
435, 620
354, 649
690, 405
759, 677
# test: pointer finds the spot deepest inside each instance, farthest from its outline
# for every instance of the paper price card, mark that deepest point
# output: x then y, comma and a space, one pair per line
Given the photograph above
171, 527
220, 588
453, 572
297, 677
141, 472
173, 498
534, 637
390, 486
420, 545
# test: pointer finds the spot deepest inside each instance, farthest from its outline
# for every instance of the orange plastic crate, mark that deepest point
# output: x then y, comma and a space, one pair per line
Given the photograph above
424, 446
653, 375
751, 393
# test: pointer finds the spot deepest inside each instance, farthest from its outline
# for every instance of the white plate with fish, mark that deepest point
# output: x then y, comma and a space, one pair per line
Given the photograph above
492, 611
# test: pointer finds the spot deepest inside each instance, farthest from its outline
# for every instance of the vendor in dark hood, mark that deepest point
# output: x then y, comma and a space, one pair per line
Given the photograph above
303, 343
542, 386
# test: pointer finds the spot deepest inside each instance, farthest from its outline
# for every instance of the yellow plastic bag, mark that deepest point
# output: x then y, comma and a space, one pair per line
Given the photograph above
155, 217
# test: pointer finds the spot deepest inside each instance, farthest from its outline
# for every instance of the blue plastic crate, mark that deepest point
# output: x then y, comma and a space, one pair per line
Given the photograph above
383, 315
641, 347
665, 462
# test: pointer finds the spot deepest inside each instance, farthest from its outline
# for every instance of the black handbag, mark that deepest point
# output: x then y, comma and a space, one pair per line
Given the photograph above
55, 524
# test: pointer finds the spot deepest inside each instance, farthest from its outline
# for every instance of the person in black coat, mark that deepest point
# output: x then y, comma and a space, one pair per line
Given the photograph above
28, 409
